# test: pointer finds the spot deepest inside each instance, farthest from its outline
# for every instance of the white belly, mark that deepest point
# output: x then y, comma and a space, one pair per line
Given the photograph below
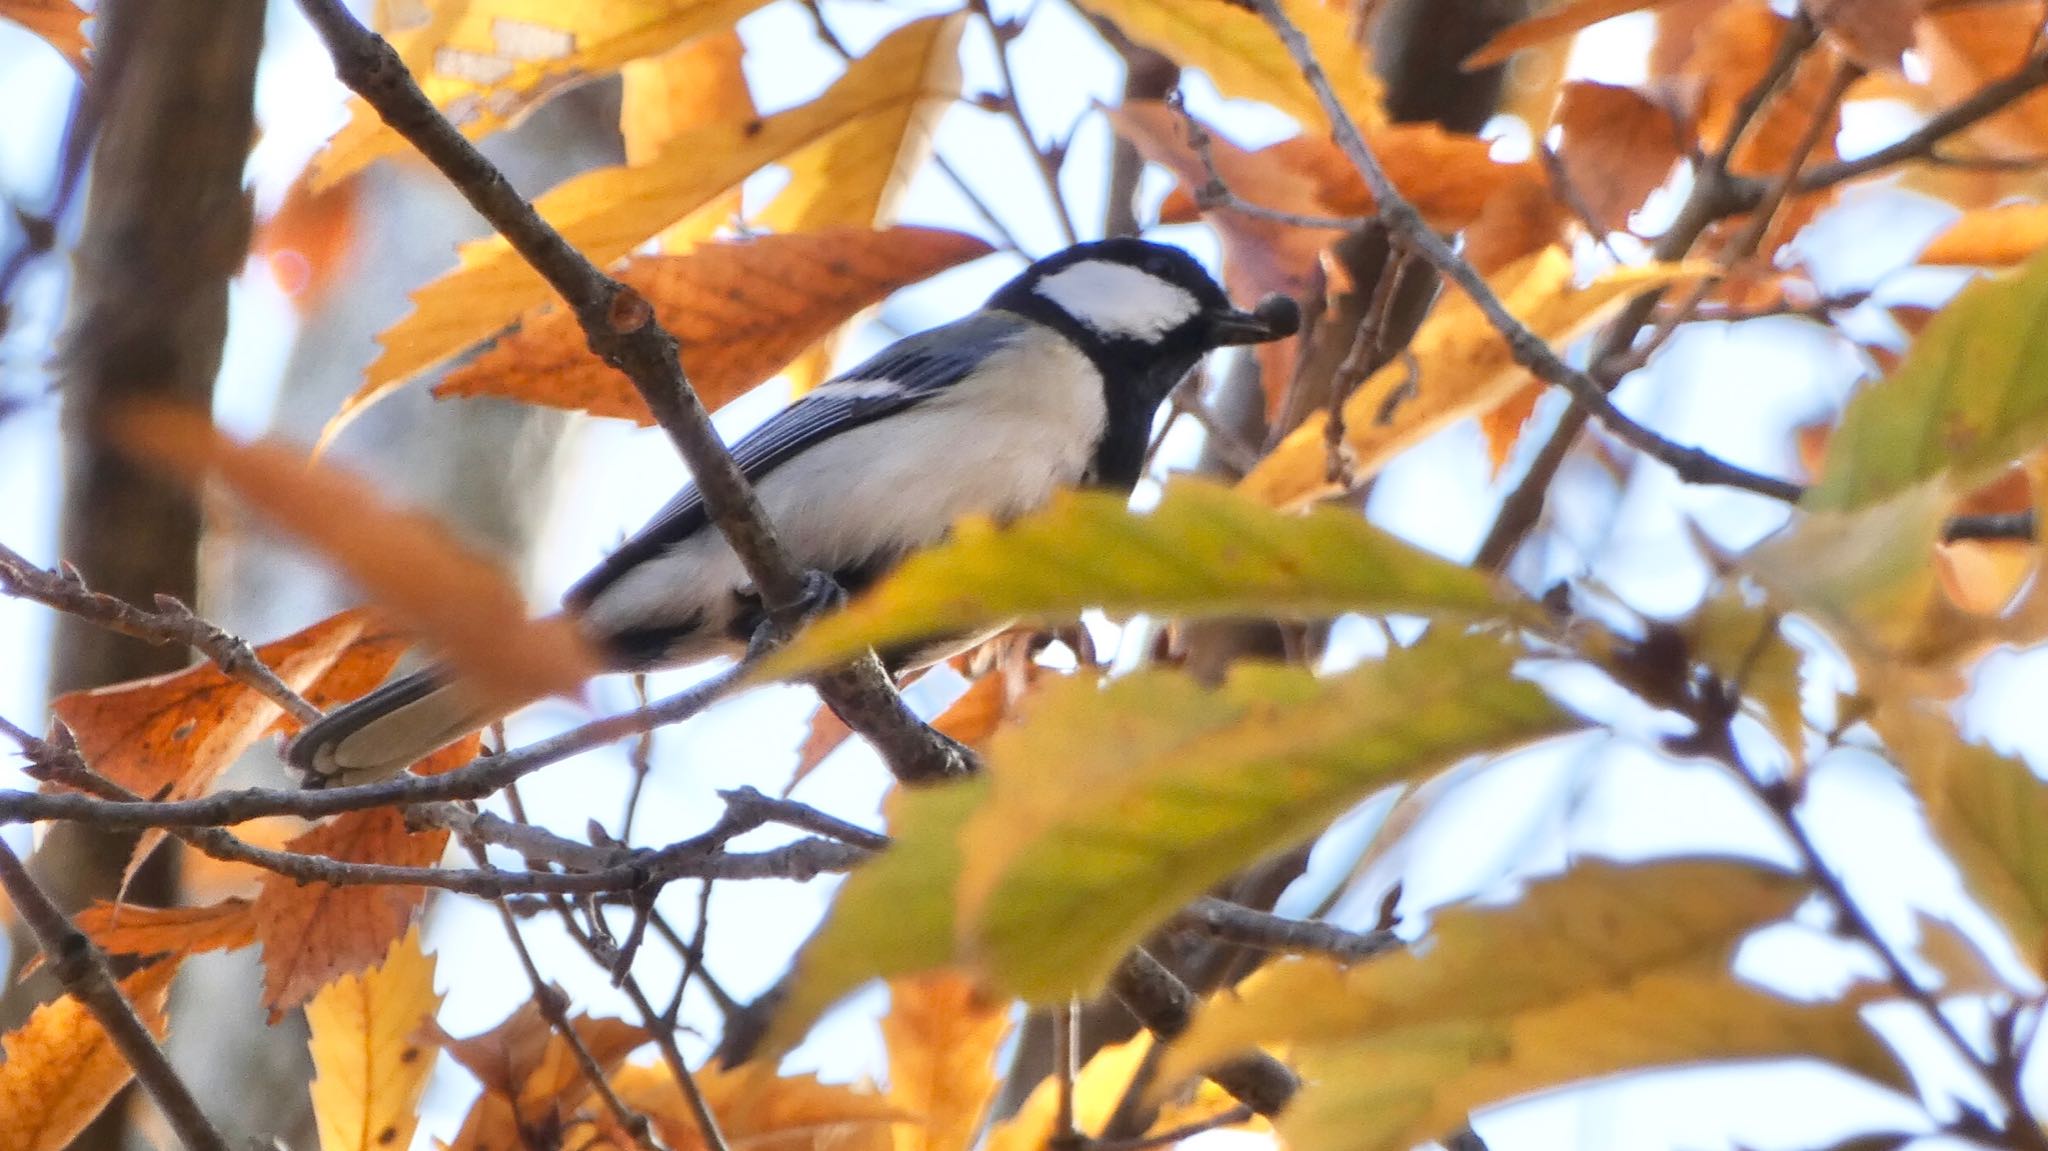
997, 445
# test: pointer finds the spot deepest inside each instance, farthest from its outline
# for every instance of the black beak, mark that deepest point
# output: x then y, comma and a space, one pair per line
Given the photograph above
1276, 318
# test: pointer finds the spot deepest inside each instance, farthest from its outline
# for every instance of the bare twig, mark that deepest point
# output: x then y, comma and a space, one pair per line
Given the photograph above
1269, 932
1242, 1113
1048, 159
474, 781
1921, 143
82, 969
622, 330
172, 622
1166, 1007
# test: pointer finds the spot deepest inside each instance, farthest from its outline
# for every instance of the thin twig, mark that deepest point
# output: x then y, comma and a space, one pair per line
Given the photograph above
474, 781
1243, 925
622, 330
79, 965
172, 622
554, 1007
1986, 102
1048, 159
1231, 1118
1166, 1008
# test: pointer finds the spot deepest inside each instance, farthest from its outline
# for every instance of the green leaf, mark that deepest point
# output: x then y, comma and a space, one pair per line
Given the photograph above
893, 916
1597, 927
1415, 1084
1989, 812
1111, 807
1204, 551
1970, 397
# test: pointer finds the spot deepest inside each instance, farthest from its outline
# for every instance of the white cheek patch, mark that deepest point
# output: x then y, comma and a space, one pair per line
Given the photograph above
1118, 300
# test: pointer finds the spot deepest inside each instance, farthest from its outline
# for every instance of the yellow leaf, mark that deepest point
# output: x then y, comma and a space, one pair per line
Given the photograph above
1417, 1084
485, 63
756, 1109
1740, 641
1110, 807
61, 1068
1245, 59
856, 176
893, 917
1098, 1089
943, 1032
1596, 927
1203, 551
662, 97
370, 1065
607, 213
1988, 811
1457, 366
1970, 397
1991, 237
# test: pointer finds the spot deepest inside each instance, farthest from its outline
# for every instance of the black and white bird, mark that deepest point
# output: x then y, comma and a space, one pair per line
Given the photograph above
1055, 382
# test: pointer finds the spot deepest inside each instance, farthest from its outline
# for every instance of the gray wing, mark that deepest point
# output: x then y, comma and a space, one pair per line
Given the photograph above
901, 376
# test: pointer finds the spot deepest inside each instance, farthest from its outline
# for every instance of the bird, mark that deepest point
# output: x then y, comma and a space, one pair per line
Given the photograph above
1054, 383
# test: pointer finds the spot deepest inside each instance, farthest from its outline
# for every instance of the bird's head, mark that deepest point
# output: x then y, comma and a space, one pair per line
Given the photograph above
1133, 298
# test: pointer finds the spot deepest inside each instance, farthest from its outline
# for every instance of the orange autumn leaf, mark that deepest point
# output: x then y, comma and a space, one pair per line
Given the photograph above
759, 1110
172, 735
60, 23
466, 607
314, 933
306, 241
1567, 18
1619, 145
1990, 237
942, 1032
1731, 55
826, 734
61, 1069
1874, 33
741, 309
126, 929
1967, 46
1503, 426
973, 717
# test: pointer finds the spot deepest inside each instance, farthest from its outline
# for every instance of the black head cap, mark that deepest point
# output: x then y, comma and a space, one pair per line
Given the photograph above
1134, 292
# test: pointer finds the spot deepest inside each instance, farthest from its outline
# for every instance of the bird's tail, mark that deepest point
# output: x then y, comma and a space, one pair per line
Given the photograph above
390, 729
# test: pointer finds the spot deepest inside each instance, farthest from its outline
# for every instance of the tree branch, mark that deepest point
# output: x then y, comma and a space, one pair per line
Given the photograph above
172, 622
1227, 921
622, 330
79, 965
1166, 1007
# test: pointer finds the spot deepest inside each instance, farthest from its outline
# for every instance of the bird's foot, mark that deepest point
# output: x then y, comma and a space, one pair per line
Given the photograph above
821, 594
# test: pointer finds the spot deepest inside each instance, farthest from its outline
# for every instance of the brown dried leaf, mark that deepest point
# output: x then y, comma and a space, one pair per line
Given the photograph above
1732, 55
532, 1081
314, 933
60, 23
366, 663
741, 309
1619, 146
61, 1068
466, 607
1562, 19
1874, 33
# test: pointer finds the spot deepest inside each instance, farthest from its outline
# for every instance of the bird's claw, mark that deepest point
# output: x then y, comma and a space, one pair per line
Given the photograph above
821, 594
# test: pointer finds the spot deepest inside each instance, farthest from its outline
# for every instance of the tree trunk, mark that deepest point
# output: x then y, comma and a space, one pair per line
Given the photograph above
166, 227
